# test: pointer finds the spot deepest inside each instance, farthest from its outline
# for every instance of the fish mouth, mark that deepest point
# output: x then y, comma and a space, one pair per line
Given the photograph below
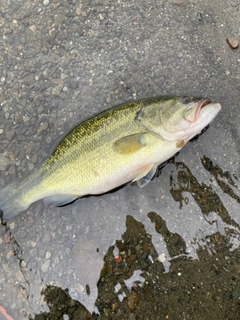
201, 104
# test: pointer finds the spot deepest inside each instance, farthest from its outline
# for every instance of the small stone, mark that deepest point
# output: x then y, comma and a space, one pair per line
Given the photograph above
132, 301
180, 3
148, 295
33, 244
12, 156
23, 102
45, 2
34, 158
45, 266
48, 255
70, 271
118, 259
63, 76
132, 258
2, 22
40, 110
42, 128
26, 119
30, 166
12, 170
74, 85
10, 134
33, 28
17, 117
56, 90
12, 226
10, 254
80, 288
199, 16
48, 140
161, 257
65, 89
62, 297
22, 154
105, 310
144, 256
78, 11
16, 6
115, 306
3, 163
233, 43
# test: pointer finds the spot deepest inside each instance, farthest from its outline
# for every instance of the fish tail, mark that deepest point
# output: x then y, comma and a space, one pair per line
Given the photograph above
11, 200
17, 196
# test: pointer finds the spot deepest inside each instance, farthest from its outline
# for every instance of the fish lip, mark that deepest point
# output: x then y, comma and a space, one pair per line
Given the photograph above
205, 102
201, 104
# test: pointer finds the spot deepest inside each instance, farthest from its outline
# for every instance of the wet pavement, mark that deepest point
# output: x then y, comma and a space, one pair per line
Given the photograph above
167, 251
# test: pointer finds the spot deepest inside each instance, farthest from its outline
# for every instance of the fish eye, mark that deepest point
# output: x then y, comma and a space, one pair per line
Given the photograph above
186, 100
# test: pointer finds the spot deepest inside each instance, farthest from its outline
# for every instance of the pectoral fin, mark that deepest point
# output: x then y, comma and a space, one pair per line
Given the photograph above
58, 200
180, 144
130, 144
146, 175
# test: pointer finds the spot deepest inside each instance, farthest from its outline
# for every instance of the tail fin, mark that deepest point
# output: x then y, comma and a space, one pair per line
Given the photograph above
11, 203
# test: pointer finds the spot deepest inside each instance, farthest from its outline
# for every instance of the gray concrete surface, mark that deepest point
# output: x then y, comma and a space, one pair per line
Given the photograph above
62, 61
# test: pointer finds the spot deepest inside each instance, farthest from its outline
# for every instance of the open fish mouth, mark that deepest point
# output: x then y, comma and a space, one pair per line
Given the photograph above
201, 104
197, 104
201, 110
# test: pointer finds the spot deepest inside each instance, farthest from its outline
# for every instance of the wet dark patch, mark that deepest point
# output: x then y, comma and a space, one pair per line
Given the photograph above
175, 243
60, 304
218, 173
207, 288
204, 195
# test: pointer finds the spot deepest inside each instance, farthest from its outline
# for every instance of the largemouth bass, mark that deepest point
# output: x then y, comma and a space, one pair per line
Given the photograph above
125, 143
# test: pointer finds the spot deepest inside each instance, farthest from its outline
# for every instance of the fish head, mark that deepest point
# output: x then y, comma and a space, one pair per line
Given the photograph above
178, 118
